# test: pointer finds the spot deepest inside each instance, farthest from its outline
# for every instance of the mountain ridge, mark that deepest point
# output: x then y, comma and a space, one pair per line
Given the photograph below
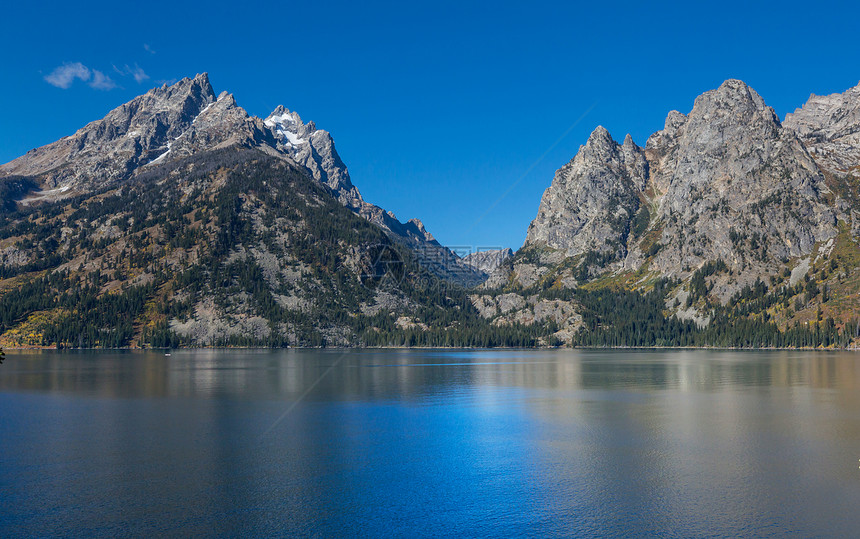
171, 122
213, 227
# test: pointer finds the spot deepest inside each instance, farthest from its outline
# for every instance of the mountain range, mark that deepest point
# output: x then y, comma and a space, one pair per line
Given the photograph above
179, 219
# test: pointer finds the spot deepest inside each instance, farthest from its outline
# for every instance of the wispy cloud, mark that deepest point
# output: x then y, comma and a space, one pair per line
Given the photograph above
136, 72
148, 49
101, 81
64, 75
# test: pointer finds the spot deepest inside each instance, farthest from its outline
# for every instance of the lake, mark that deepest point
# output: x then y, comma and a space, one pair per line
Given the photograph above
430, 443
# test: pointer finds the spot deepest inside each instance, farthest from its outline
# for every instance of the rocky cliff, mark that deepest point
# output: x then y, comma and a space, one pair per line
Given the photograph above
830, 127
592, 199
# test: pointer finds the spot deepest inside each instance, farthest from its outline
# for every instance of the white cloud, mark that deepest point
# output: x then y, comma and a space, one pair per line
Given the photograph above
64, 75
148, 49
137, 72
101, 81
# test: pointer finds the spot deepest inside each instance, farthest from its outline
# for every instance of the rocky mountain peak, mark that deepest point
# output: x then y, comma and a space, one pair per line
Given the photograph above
732, 103
599, 147
591, 198
726, 166
313, 149
725, 169
130, 136
829, 126
197, 86
419, 227
283, 121
827, 117
226, 99
628, 141
674, 121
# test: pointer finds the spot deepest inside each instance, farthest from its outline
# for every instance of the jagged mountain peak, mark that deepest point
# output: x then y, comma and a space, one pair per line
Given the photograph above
282, 115
416, 228
173, 122
730, 103
599, 147
199, 84
589, 196
733, 107
827, 117
315, 150
628, 141
288, 126
726, 165
599, 135
128, 137
674, 121
227, 99
829, 126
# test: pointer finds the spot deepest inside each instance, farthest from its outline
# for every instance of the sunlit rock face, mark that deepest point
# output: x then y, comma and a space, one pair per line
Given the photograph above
169, 122
726, 170
174, 122
829, 125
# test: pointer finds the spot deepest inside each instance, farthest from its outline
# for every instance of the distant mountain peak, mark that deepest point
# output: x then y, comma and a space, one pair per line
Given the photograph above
488, 260
829, 125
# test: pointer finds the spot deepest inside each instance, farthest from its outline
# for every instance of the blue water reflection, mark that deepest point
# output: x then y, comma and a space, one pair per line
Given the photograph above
411, 443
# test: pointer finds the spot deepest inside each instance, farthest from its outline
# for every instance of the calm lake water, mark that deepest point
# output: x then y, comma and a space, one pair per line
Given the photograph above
412, 443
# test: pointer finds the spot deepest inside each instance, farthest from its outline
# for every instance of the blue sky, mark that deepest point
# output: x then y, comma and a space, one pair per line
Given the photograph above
437, 108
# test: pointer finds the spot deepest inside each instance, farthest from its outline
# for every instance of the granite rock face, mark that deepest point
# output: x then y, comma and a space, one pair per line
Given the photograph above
592, 199
731, 170
829, 125
725, 191
726, 181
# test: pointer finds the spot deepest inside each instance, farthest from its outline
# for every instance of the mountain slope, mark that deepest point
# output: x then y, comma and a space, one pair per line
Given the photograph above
174, 122
225, 247
731, 214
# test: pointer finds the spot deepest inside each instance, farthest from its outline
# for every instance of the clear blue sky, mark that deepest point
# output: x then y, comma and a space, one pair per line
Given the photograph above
437, 108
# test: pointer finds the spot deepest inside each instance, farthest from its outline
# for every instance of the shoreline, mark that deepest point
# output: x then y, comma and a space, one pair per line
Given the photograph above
452, 348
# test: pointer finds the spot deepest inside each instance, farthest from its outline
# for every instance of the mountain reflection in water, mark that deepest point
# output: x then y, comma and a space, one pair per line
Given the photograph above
411, 442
